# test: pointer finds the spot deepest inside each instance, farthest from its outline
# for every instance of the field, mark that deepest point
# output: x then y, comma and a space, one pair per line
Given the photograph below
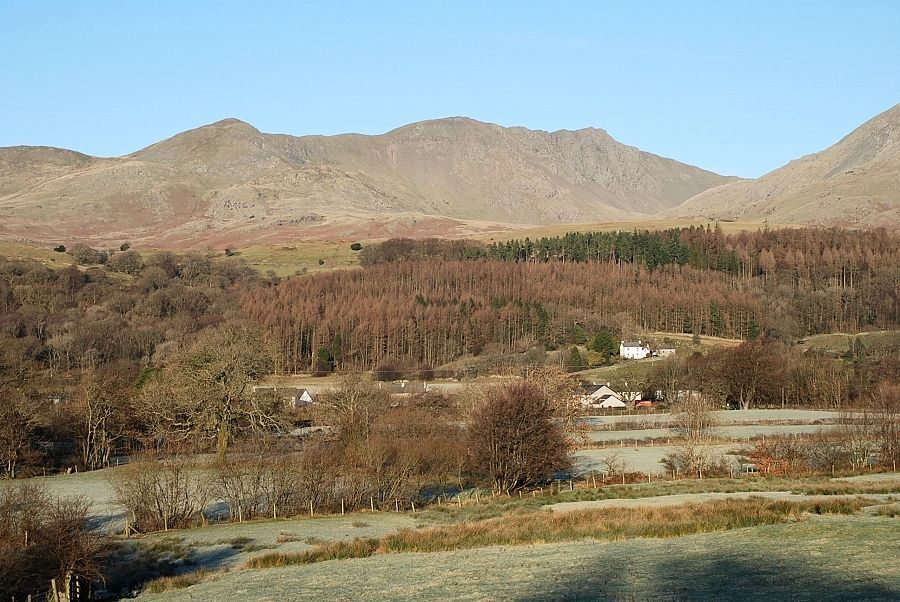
724, 417
32, 252
736, 433
299, 256
819, 558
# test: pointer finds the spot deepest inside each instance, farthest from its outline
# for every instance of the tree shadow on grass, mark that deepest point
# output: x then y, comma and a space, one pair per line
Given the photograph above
710, 576
133, 564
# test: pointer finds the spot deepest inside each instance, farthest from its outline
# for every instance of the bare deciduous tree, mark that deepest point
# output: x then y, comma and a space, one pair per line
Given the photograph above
514, 438
693, 417
213, 379
103, 407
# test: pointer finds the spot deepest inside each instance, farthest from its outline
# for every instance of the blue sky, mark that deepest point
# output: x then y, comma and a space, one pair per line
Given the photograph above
738, 87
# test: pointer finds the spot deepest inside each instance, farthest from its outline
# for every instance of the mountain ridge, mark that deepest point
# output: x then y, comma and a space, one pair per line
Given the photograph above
854, 182
228, 178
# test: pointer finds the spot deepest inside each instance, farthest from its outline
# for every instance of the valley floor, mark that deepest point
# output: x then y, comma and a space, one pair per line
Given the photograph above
818, 558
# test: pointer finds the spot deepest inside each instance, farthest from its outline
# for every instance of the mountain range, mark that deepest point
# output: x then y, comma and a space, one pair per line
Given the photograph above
228, 183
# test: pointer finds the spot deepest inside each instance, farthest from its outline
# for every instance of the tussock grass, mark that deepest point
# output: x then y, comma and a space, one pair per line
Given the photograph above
888, 510
241, 544
172, 549
498, 506
848, 488
336, 550
167, 584
545, 527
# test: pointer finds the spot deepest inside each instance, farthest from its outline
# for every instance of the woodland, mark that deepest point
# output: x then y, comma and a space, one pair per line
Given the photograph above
113, 355
429, 302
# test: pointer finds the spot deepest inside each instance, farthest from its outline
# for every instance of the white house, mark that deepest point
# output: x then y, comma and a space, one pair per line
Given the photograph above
601, 396
612, 402
631, 350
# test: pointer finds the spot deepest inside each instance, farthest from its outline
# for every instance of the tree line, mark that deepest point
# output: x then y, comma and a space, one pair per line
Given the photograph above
427, 303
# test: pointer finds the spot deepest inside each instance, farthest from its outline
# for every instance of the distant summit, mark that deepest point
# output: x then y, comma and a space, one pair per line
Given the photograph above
856, 182
227, 181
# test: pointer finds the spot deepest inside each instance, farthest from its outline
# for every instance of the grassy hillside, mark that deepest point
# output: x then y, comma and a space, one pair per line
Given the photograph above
291, 258
20, 250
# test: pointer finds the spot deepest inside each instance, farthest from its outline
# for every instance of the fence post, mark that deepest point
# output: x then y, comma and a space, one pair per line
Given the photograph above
310, 507
342, 506
372, 502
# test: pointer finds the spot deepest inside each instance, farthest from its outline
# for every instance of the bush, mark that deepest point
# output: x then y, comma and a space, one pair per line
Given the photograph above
388, 371
356, 246
87, 256
44, 538
514, 440
692, 458
159, 494
127, 262
60, 248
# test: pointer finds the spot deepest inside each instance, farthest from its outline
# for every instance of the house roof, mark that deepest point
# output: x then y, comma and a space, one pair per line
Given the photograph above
612, 401
632, 344
600, 391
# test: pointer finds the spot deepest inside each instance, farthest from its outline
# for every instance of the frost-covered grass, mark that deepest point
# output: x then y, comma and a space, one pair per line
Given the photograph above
828, 557
740, 432
530, 527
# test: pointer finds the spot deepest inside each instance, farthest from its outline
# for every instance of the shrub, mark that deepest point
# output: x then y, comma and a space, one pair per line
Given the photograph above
159, 495
356, 246
44, 538
127, 262
87, 256
388, 371
514, 440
